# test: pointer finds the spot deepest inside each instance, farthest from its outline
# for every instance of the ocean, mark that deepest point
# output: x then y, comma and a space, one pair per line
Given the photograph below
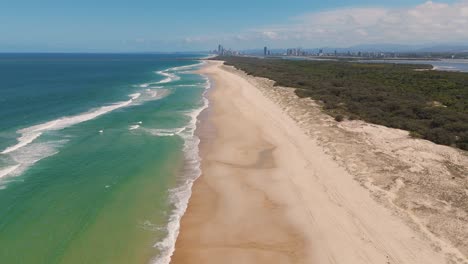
97, 155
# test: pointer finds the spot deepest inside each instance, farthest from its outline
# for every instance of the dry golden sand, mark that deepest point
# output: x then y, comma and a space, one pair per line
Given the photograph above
277, 190
424, 183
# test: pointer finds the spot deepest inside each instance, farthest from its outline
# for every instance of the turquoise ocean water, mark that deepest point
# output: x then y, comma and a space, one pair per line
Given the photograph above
97, 155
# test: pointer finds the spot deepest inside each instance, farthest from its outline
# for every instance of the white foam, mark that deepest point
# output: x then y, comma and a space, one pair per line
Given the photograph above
147, 225
135, 96
23, 140
150, 85
180, 195
133, 127
187, 66
151, 95
26, 157
161, 132
209, 57
169, 76
8, 170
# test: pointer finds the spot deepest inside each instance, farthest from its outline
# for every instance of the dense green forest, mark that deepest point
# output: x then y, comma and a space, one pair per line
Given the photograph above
430, 104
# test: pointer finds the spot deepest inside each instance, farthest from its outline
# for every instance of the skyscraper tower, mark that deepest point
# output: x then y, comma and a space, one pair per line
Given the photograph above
265, 51
220, 49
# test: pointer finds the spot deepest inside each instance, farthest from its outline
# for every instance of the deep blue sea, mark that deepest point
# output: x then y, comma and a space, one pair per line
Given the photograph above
97, 155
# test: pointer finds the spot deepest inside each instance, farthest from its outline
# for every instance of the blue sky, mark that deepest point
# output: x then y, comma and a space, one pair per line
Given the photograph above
197, 25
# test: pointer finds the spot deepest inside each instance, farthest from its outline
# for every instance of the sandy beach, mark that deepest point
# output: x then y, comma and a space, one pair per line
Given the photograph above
272, 193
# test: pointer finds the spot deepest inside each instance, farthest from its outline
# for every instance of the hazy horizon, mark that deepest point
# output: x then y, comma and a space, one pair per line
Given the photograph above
383, 47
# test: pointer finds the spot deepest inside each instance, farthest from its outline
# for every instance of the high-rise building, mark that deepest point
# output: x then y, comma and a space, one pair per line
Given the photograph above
220, 49
265, 51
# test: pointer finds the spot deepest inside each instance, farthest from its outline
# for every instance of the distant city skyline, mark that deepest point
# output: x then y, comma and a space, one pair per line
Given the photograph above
361, 51
122, 26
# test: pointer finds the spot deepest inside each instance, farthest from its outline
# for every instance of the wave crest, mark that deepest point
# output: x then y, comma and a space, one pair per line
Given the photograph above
30, 134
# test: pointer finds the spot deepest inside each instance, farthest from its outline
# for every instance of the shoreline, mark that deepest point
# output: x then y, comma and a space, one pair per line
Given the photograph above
190, 172
202, 203
269, 193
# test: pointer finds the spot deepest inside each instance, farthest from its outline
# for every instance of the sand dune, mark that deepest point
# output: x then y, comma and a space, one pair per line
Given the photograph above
270, 193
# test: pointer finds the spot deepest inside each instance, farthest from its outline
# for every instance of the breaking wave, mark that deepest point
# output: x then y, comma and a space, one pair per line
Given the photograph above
180, 195
24, 153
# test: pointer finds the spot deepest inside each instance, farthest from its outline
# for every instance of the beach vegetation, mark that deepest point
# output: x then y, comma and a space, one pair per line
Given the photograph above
430, 104
339, 118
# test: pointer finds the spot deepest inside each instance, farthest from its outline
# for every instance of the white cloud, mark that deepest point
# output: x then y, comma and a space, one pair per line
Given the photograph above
270, 34
428, 22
